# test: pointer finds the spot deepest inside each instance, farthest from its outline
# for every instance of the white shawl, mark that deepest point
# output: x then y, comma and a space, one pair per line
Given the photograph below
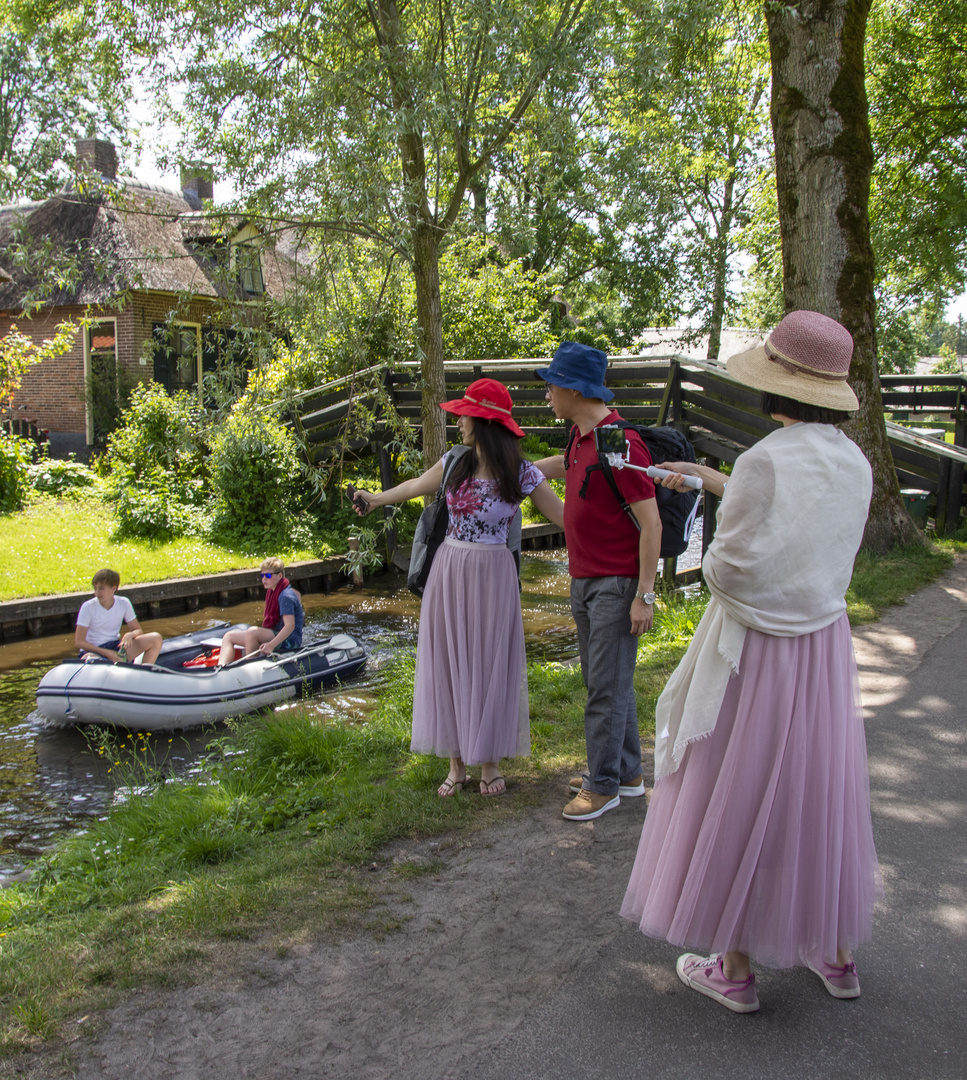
788, 529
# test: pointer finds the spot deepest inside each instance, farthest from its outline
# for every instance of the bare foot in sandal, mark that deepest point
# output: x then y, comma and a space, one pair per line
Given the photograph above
455, 780
494, 785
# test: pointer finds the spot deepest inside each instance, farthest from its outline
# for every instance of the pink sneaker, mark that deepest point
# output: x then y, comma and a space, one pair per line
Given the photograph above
705, 974
841, 982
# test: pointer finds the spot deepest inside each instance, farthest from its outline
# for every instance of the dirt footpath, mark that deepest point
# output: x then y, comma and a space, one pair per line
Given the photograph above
512, 915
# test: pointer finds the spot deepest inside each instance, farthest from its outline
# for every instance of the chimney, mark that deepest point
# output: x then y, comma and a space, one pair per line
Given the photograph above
99, 156
198, 179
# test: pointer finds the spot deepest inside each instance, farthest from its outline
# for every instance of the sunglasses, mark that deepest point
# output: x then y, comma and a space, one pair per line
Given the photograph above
265, 574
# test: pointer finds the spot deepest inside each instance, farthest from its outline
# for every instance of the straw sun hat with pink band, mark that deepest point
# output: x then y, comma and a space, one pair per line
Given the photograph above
805, 358
488, 399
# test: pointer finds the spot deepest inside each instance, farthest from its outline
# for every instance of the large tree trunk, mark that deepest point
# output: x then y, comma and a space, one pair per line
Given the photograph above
824, 157
429, 315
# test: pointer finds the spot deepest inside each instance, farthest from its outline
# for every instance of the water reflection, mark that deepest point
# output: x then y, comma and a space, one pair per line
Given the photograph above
52, 779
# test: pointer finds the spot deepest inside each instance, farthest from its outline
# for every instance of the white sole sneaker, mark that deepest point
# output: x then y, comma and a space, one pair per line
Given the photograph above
843, 993
704, 974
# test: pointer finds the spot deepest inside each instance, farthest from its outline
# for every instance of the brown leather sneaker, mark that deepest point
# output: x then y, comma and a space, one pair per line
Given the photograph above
587, 805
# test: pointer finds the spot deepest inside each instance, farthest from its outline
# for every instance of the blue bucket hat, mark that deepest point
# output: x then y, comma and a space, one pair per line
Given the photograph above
578, 367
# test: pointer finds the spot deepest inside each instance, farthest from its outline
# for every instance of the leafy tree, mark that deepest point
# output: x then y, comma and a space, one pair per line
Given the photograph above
918, 112
949, 362
61, 76
703, 130
371, 118
493, 307
572, 200
824, 159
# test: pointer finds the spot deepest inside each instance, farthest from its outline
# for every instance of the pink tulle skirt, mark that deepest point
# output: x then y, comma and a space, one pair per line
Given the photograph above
762, 840
470, 698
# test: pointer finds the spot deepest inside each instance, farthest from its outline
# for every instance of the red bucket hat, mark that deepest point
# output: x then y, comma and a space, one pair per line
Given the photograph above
488, 399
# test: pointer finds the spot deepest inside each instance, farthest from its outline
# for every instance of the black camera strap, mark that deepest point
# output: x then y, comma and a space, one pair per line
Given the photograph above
605, 467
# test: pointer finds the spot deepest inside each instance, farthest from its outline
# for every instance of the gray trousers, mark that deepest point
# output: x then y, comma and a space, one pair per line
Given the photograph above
602, 611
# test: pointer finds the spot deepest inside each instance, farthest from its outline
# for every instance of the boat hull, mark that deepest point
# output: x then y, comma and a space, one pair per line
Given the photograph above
155, 697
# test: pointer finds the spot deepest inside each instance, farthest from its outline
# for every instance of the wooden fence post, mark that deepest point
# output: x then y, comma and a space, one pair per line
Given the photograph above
357, 574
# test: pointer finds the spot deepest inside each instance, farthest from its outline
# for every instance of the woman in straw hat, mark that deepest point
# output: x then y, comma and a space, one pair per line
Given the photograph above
470, 698
758, 841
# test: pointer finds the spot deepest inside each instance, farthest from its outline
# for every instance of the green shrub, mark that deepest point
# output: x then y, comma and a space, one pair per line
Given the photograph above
54, 476
153, 510
15, 457
163, 431
257, 478
158, 463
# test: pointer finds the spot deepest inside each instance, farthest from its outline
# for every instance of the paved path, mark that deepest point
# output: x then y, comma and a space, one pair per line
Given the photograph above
511, 961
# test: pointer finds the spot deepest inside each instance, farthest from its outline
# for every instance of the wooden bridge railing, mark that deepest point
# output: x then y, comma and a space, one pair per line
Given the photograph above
720, 416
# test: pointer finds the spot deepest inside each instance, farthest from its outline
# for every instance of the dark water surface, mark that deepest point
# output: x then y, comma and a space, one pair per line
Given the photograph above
51, 780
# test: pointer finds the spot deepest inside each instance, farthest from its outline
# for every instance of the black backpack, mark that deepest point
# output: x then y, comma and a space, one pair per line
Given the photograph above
677, 510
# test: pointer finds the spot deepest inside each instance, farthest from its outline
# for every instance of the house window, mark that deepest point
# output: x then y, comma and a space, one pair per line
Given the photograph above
103, 401
249, 261
177, 356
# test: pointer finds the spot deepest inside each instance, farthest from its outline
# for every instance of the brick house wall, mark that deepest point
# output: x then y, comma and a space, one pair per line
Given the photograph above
53, 393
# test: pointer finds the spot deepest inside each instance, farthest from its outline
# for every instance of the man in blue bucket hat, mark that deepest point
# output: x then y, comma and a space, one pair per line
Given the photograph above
612, 567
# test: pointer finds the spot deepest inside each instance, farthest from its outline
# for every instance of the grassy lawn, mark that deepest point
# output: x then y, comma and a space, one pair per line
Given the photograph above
55, 546
880, 581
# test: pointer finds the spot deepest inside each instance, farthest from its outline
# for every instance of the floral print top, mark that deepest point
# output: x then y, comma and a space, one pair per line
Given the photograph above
478, 514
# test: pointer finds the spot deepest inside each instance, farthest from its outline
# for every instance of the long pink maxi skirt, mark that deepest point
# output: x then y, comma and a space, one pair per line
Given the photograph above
762, 841
470, 698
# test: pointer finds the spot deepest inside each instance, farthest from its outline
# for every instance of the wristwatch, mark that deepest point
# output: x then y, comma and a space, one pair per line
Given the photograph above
645, 597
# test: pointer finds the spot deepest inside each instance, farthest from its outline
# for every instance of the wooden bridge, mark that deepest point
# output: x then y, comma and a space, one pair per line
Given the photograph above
720, 416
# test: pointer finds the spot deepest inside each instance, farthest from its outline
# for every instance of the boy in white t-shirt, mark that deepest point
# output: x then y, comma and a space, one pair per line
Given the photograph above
99, 622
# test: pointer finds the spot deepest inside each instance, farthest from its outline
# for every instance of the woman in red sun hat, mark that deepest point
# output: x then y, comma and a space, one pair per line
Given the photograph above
470, 698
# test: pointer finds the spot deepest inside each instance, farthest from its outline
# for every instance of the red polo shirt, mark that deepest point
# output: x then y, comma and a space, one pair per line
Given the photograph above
601, 541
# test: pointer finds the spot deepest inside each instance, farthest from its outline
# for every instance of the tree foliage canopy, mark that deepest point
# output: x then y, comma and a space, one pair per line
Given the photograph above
918, 103
61, 77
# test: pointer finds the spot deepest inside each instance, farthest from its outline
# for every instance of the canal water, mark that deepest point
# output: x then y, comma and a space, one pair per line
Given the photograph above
53, 780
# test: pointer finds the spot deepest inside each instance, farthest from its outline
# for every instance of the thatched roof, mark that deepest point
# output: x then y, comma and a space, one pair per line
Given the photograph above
133, 236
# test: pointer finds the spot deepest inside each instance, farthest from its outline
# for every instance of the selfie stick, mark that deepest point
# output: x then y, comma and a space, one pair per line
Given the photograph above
617, 461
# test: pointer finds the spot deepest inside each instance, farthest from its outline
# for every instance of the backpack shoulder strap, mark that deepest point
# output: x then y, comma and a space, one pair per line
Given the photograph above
571, 436
608, 473
455, 455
